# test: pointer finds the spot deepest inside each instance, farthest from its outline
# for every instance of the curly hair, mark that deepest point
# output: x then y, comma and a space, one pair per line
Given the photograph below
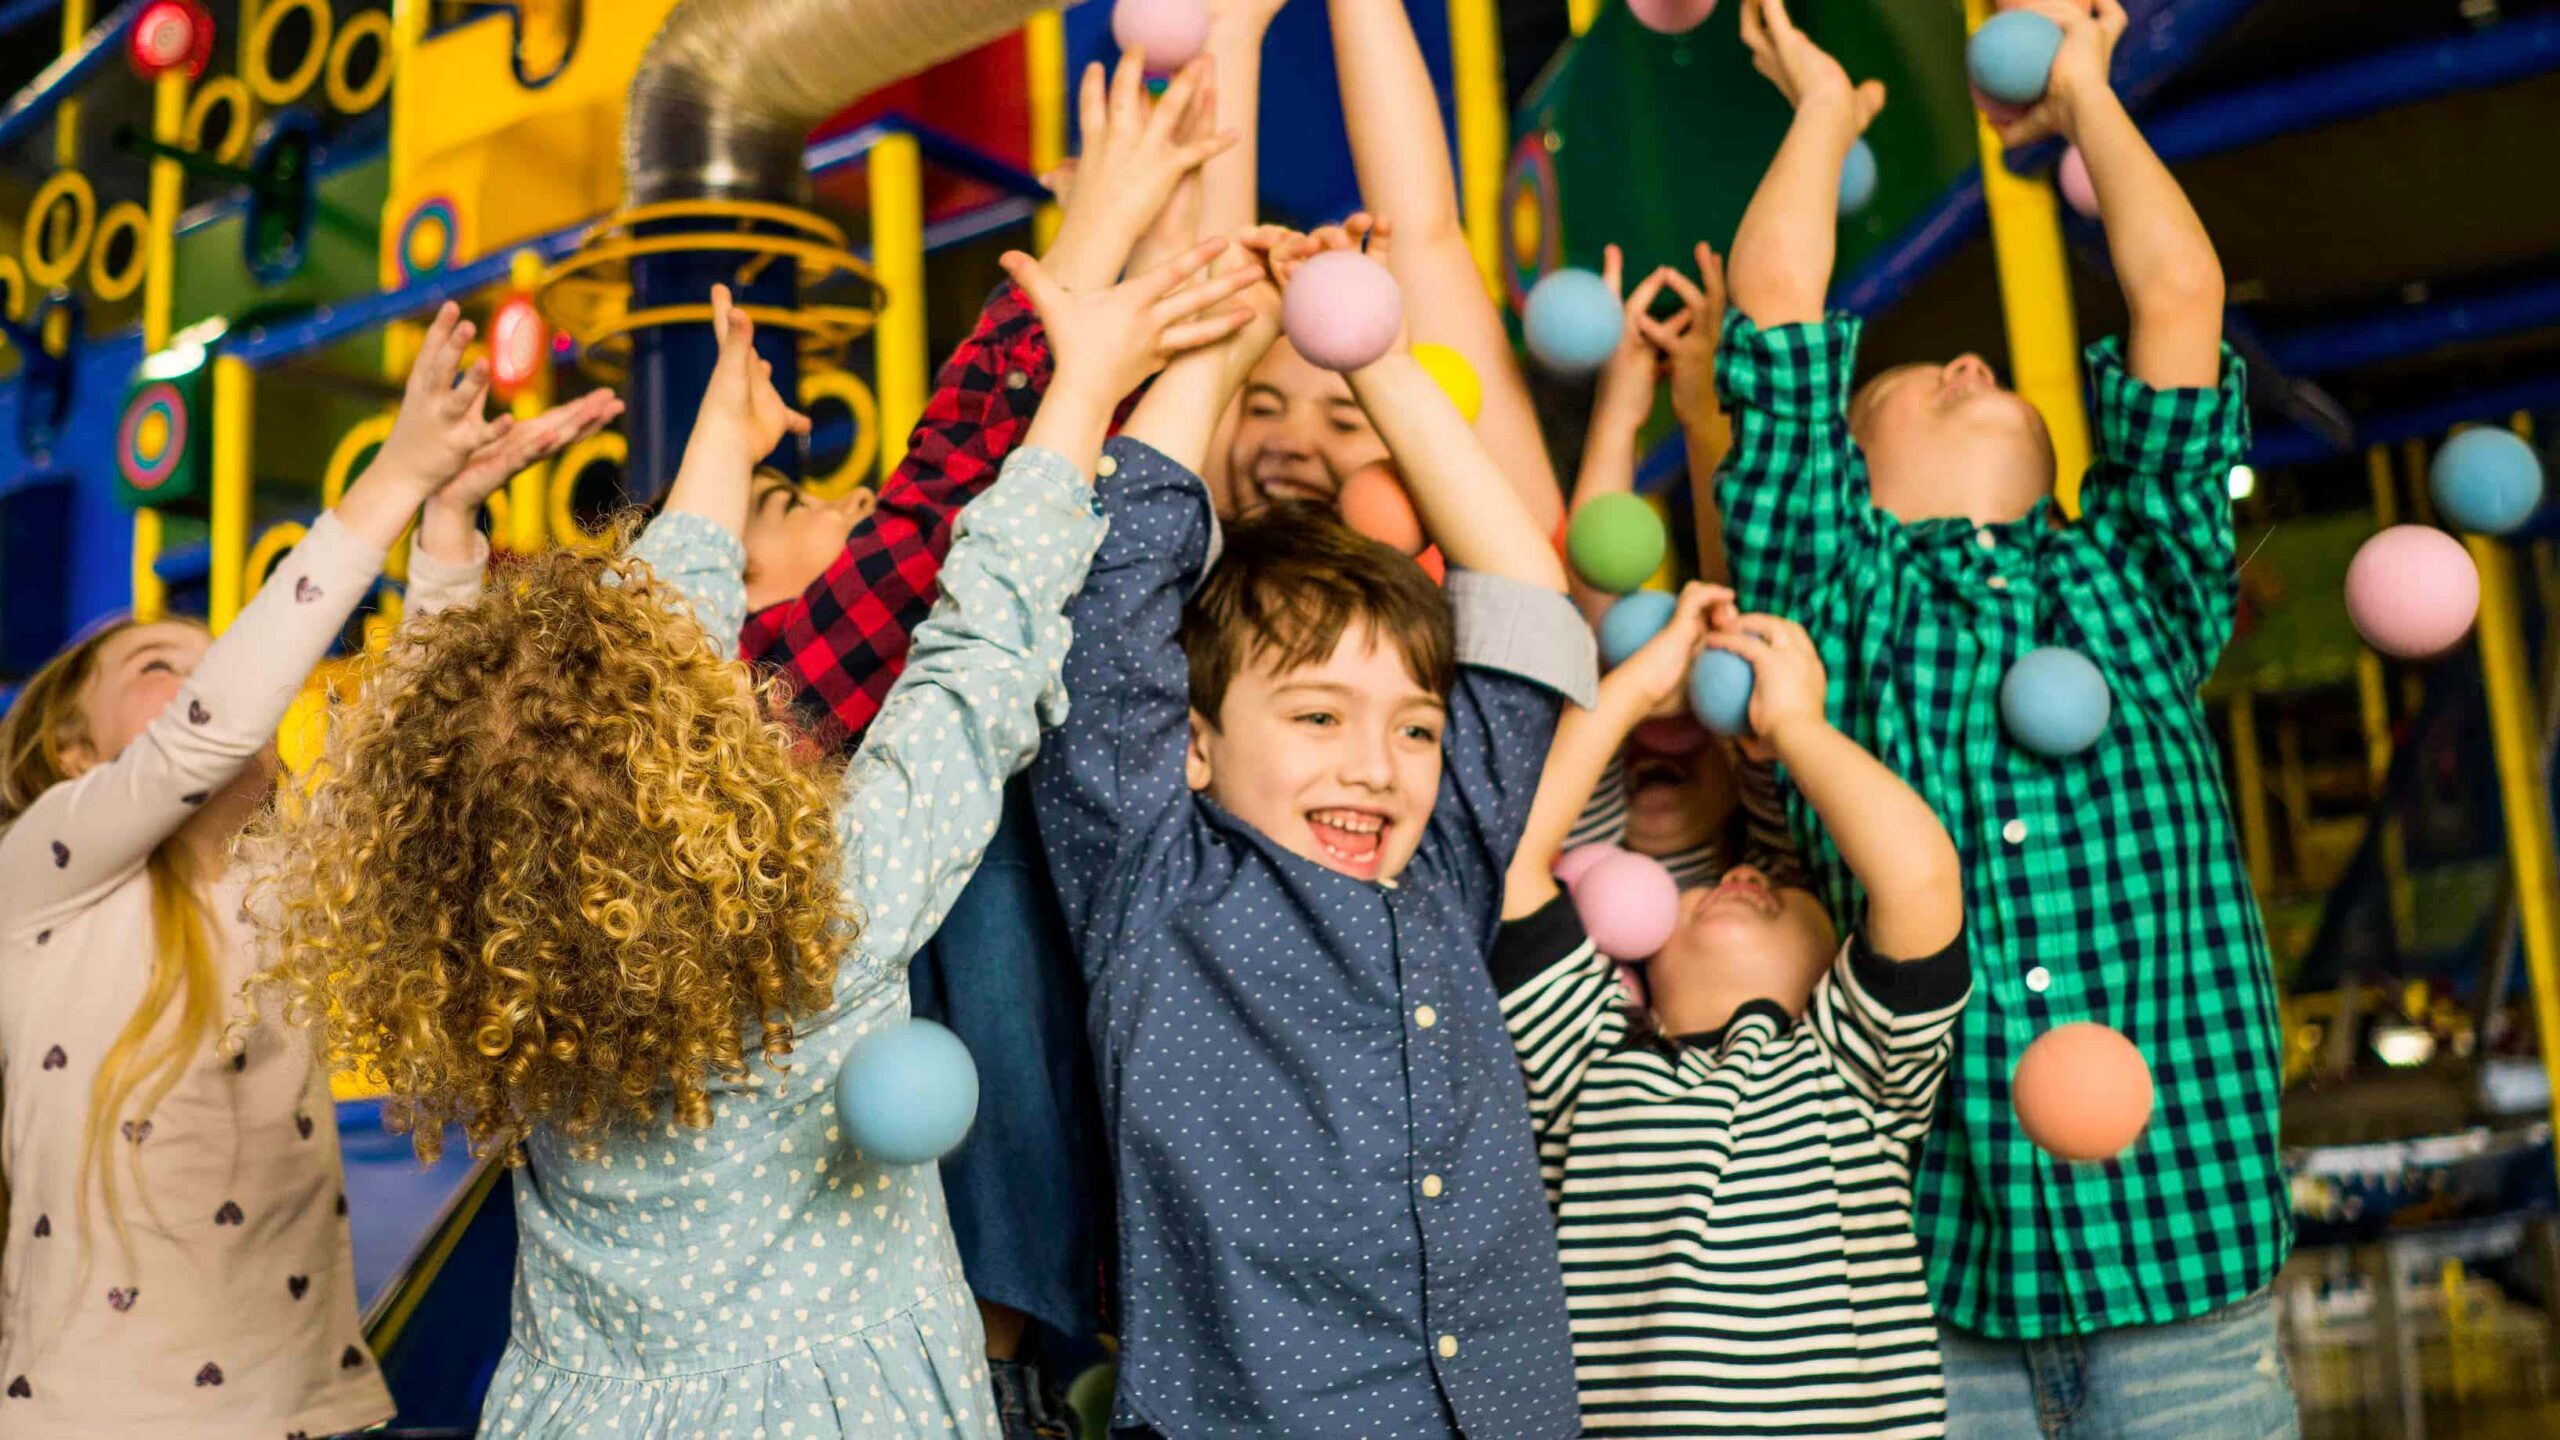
559, 856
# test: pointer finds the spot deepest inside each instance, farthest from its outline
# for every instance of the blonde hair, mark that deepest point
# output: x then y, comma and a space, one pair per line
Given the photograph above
559, 857
147, 1059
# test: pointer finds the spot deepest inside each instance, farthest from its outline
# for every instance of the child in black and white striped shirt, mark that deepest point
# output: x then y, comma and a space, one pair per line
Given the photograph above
1731, 1169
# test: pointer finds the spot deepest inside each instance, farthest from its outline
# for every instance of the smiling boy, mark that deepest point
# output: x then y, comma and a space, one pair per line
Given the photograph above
1279, 818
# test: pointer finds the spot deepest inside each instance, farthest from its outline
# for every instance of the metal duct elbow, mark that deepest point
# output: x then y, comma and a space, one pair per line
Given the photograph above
729, 90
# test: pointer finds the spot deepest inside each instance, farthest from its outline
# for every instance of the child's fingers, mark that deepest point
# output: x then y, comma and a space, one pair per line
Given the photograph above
1740, 642
1034, 282
471, 392
1780, 26
1640, 304
1613, 269
1710, 275
1093, 115
796, 421
1192, 334
1190, 300
2111, 20
1201, 152
1656, 333
432, 372
1163, 280
1174, 106
1129, 94
1755, 33
1870, 102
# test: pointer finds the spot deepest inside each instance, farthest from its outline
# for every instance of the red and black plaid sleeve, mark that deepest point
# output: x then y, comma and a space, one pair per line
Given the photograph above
844, 641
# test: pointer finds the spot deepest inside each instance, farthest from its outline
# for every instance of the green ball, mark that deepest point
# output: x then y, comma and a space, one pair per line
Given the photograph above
1616, 543
1089, 1396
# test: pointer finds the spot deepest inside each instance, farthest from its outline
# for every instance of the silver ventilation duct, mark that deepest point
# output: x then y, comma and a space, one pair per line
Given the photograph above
729, 90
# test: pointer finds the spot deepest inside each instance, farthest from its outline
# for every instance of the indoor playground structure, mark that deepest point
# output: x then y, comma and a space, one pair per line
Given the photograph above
224, 222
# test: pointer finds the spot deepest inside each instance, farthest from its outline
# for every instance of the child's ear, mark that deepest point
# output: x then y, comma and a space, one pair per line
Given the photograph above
1195, 760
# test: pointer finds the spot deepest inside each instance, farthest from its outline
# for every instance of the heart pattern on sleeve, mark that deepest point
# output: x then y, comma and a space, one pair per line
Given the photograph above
19, 1389
195, 797
229, 1214
44, 1227
298, 1284
54, 1059
211, 1374
137, 1131
304, 592
198, 715
61, 856
303, 1124
351, 1358
122, 1299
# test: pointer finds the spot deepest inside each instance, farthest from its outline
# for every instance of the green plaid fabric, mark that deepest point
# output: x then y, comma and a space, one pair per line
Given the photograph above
2107, 887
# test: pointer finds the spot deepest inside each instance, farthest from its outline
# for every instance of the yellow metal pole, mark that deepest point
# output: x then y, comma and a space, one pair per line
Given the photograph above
2035, 300
167, 195
1582, 13
530, 489
897, 263
2249, 778
234, 393
2515, 738
66, 120
1484, 130
1044, 56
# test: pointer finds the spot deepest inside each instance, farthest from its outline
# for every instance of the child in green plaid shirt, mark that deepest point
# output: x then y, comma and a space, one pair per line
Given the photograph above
1913, 530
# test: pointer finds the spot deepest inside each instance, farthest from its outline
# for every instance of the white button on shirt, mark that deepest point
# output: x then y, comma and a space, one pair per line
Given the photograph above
1430, 1187
1425, 1016
2015, 832
1986, 539
1999, 582
2039, 979
1107, 467
1448, 1347
1015, 380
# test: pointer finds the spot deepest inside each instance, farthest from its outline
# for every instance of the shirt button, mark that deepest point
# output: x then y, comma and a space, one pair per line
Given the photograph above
1999, 582
1107, 467
1986, 539
1430, 1187
2039, 979
2015, 832
1015, 379
1425, 1016
1448, 1347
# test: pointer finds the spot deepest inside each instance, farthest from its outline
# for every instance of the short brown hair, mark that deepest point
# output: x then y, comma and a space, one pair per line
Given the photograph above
1291, 579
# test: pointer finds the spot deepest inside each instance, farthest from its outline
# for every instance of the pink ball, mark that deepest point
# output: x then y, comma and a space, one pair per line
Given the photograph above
2078, 191
2412, 592
1170, 33
1343, 310
1628, 904
1573, 864
1672, 17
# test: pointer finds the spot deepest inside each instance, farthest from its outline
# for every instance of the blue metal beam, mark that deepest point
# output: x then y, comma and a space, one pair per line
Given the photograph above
58, 81
2287, 445
2400, 331
19, 14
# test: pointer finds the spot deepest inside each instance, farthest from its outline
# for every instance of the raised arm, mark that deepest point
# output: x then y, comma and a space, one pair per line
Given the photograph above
1399, 148
1887, 835
86, 835
1621, 402
447, 552
1783, 254
1237, 29
742, 418
1691, 339
1588, 741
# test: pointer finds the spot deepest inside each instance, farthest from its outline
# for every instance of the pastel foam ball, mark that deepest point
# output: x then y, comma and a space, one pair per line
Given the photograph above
1343, 310
1616, 542
1628, 904
1720, 692
1170, 33
1858, 177
1573, 322
2412, 592
908, 1094
1089, 1398
2010, 58
1631, 622
1374, 502
2082, 1093
1671, 17
1456, 378
1575, 863
2486, 481
2079, 192
1673, 735
2055, 702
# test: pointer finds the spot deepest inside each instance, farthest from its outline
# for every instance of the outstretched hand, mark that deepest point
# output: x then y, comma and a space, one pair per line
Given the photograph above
1803, 72
1658, 673
1788, 683
1690, 338
1139, 157
2090, 30
443, 421
1624, 395
527, 444
741, 410
1110, 341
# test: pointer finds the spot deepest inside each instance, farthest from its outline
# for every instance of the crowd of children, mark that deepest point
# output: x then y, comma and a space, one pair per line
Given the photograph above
1226, 837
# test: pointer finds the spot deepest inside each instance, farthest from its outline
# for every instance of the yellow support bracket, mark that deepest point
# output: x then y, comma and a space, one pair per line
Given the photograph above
897, 267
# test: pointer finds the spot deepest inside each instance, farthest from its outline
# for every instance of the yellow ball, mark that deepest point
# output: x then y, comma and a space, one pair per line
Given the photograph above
1456, 378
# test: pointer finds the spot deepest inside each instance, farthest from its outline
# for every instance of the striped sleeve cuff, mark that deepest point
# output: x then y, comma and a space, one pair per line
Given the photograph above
1525, 630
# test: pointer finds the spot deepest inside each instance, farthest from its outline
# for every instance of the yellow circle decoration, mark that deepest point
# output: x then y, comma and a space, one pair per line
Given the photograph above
269, 549
46, 266
605, 447
374, 25
222, 92
117, 284
283, 90
1456, 378
364, 435
151, 436
846, 387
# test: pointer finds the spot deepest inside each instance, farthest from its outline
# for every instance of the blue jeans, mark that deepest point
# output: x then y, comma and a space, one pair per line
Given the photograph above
2220, 1376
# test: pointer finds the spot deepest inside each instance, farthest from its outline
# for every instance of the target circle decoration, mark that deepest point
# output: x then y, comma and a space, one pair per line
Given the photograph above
428, 238
1533, 226
152, 438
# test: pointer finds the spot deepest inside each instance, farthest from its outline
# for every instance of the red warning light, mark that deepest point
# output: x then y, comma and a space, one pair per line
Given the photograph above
170, 37
519, 343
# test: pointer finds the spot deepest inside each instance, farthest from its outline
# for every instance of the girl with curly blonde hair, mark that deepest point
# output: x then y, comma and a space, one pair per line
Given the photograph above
570, 886
176, 1257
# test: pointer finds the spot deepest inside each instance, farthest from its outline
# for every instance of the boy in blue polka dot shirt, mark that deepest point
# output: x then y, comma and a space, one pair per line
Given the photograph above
1279, 817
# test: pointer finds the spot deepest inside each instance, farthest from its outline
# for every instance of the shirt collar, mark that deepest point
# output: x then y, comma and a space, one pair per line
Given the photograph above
1769, 1010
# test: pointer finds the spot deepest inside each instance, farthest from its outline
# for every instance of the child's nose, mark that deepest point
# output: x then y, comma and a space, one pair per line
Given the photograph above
1970, 369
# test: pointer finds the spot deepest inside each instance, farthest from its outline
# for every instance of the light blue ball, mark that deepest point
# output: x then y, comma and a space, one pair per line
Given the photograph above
2055, 702
2487, 481
1857, 178
1720, 692
908, 1094
1573, 321
1631, 622
2011, 57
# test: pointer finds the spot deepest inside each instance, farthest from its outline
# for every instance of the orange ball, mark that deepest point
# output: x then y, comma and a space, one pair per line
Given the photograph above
2082, 1092
1374, 503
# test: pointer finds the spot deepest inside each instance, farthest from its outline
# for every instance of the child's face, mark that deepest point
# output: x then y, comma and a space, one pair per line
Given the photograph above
1743, 939
1339, 762
1676, 801
1946, 440
1297, 435
791, 539
138, 672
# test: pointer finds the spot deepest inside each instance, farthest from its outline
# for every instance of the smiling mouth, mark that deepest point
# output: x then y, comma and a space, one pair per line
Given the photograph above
1650, 773
1352, 841
1276, 488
